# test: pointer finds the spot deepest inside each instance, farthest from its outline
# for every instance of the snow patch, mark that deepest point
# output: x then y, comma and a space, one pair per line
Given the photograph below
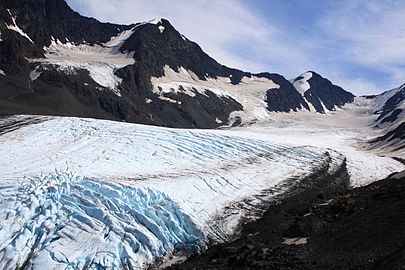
295, 241
2, 72
169, 100
323, 106
155, 21
17, 29
161, 28
117, 41
35, 74
311, 107
250, 91
302, 85
101, 61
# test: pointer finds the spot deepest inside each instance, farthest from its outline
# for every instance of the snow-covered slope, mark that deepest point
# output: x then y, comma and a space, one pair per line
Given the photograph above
347, 130
138, 193
250, 92
101, 61
390, 108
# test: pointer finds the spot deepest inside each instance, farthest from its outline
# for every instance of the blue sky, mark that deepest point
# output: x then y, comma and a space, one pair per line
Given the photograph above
357, 44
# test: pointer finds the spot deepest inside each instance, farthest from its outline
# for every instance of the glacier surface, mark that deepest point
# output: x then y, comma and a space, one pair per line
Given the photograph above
64, 221
141, 193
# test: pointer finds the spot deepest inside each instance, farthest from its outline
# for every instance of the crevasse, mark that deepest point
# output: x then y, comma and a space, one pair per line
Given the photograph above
64, 221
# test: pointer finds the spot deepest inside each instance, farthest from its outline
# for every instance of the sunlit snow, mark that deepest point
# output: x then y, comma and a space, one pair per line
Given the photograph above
249, 92
101, 61
17, 29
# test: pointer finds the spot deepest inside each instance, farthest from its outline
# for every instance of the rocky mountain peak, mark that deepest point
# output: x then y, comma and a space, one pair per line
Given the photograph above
321, 93
55, 61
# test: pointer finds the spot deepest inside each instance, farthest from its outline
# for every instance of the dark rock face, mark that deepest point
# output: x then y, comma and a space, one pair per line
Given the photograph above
391, 121
13, 52
285, 98
359, 229
154, 50
322, 90
397, 133
211, 109
57, 93
42, 20
45, 20
390, 109
392, 117
14, 48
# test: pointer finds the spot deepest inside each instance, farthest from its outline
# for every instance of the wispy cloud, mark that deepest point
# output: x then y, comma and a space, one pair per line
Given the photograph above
356, 43
372, 33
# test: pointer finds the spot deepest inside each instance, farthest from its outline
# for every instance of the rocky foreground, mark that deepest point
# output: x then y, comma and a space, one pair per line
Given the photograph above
317, 226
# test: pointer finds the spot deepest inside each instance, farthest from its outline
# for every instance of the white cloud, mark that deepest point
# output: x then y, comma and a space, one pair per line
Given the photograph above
227, 30
358, 86
372, 34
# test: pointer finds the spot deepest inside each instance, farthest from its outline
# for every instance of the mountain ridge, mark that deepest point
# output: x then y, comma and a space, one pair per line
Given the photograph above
50, 32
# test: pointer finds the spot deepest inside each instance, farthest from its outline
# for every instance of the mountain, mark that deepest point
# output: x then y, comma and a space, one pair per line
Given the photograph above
56, 62
320, 93
85, 193
390, 108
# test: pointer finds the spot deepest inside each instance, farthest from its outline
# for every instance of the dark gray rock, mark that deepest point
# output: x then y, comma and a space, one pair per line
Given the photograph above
285, 98
359, 229
322, 90
390, 109
57, 93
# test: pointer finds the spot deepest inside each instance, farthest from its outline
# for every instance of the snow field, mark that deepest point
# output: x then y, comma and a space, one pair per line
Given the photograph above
344, 131
101, 61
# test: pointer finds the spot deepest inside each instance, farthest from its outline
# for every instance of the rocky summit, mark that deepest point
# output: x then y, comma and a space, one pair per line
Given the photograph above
56, 62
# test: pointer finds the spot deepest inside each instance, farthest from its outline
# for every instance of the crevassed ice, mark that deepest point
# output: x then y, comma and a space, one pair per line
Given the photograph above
63, 221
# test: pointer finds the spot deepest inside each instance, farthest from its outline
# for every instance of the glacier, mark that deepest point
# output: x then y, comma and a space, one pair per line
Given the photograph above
83, 193
65, 221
